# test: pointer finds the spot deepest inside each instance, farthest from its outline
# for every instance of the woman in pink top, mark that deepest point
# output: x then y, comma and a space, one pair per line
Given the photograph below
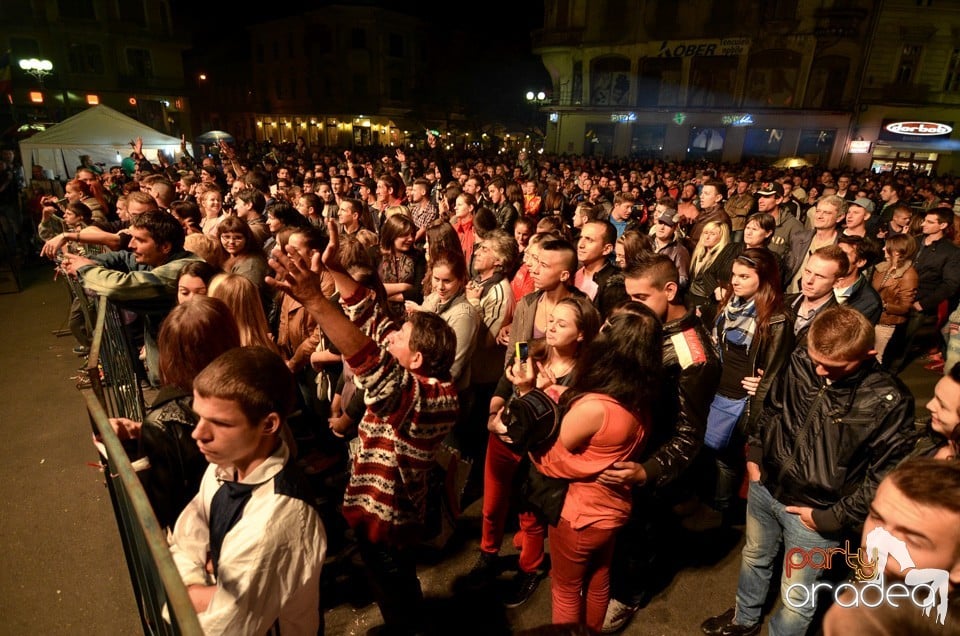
607, 420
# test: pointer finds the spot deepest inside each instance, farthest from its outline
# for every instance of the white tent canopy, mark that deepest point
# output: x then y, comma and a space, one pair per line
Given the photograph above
100, 132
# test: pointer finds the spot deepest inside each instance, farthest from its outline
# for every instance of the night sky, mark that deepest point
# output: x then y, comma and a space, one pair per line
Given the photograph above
499, 67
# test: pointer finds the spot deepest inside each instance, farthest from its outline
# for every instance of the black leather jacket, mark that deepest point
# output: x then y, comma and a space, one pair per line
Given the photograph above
827, 446
770, 356
690, 363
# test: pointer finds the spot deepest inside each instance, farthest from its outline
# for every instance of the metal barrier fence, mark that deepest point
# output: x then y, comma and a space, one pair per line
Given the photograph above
110, 366
162, 599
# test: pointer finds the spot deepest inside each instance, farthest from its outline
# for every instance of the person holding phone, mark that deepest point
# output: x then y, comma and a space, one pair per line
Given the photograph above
572, 325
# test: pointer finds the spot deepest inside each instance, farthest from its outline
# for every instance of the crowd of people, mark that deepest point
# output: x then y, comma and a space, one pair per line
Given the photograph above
693, 346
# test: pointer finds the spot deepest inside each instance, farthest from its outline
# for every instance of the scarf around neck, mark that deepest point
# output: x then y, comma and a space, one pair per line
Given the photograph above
739, 320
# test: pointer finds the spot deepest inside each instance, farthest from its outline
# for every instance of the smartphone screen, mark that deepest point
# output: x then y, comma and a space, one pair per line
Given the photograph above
523, 351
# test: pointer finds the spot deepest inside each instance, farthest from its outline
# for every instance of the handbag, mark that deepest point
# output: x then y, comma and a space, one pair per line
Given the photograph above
531, 420
722, 420
543, 495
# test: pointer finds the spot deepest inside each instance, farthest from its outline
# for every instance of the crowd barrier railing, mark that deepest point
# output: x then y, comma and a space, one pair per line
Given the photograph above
162, 599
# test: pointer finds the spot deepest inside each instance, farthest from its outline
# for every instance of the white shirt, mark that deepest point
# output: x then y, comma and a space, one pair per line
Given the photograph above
270, 561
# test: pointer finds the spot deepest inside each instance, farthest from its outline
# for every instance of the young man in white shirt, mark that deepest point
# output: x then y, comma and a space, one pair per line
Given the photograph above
250, 545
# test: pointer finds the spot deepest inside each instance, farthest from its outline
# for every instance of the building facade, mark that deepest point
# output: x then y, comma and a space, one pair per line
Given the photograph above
340, 76
909, 110
126, 55
724, 81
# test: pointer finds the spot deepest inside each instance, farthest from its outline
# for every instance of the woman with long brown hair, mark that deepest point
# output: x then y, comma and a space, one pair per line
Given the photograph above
402, 265
194, 334
754, 339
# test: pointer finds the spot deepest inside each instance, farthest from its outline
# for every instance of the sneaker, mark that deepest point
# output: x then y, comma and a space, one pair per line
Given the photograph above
714, 625
618, 615
935, 366
723, 625
524, 585
484, 570
81, 350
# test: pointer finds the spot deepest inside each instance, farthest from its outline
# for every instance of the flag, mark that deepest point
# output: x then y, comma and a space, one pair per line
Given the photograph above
6, 82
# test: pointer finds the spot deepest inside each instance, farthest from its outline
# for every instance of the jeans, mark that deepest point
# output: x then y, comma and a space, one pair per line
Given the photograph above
769, 527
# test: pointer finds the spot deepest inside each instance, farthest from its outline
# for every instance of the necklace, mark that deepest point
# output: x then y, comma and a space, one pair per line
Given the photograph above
562, 370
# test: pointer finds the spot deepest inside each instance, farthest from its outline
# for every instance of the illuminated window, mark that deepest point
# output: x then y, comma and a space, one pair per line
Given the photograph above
93, 100
36, 97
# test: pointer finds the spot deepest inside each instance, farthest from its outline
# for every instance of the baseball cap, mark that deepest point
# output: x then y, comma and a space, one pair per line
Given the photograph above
770, 187
864, 203
668, 217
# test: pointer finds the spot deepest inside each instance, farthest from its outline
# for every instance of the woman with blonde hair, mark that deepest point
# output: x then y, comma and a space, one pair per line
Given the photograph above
243, 299
210, 200
710, 265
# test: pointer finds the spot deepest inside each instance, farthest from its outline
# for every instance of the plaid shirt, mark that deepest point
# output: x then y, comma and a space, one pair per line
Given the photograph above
424, 214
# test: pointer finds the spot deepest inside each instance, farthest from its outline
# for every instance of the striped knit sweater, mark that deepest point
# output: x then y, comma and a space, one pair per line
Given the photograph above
407, 417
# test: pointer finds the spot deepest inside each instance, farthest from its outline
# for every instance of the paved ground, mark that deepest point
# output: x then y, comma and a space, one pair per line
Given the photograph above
63, 568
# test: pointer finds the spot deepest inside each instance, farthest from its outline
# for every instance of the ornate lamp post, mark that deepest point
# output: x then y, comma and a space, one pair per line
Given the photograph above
37, 68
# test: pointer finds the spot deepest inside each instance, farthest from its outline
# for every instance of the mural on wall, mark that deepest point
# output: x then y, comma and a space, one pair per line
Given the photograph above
609, 88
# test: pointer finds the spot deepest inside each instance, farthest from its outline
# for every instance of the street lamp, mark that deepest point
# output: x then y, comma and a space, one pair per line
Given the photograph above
37, 68
535, 99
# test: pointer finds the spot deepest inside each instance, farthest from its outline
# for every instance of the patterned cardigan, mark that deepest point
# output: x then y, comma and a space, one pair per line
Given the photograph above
407, 417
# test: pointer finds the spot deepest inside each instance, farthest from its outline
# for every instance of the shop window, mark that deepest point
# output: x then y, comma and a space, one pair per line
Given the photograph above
705, 143
646, 142
599, 140
817, 143
762, 143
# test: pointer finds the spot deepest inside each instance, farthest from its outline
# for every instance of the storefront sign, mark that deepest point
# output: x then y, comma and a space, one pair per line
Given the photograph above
737, 119
703, 48
859, 147
899, 130
622, 118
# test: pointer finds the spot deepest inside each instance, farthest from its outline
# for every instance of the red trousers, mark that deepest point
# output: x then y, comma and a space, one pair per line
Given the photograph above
580, 574
498, 471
